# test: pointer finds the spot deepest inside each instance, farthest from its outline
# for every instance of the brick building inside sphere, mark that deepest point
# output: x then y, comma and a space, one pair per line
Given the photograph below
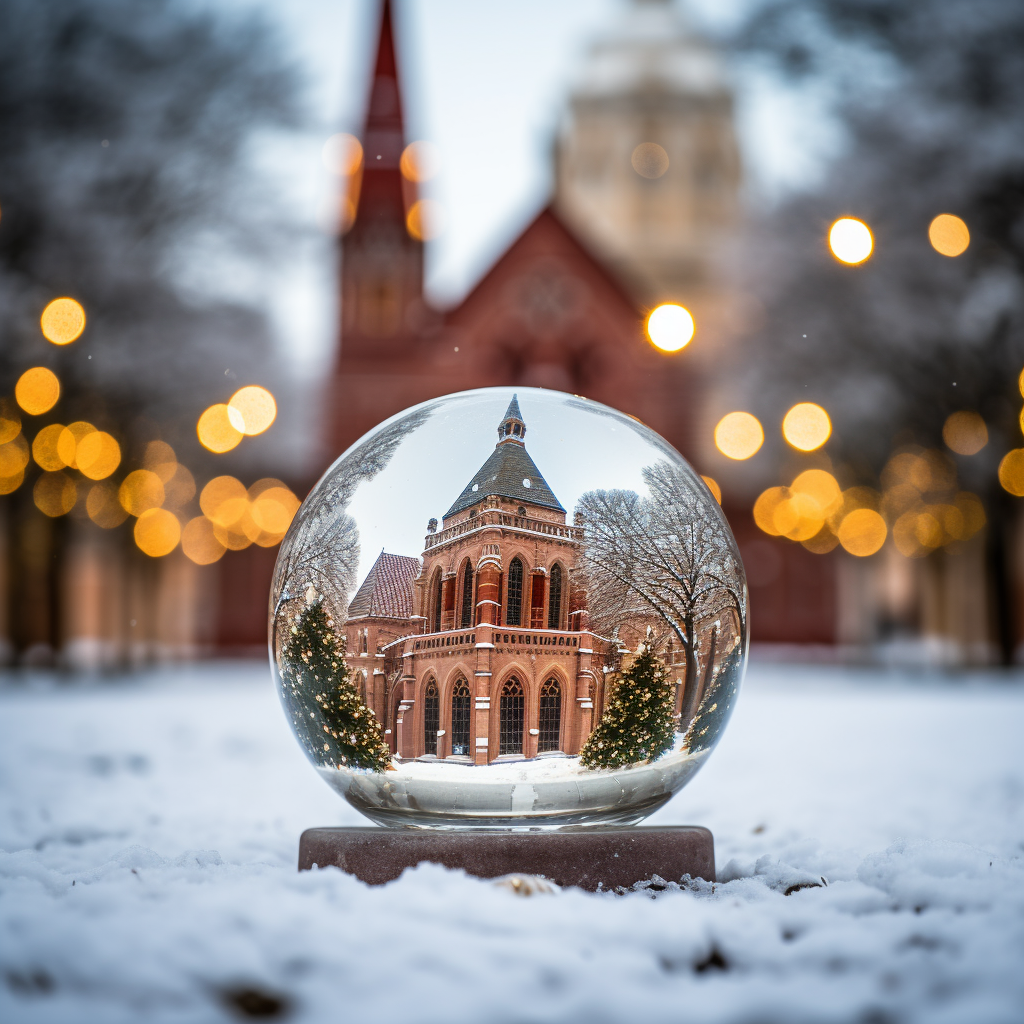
483, 651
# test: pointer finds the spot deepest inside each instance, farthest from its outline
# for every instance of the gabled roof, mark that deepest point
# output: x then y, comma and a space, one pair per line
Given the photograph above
503, 474
387, 590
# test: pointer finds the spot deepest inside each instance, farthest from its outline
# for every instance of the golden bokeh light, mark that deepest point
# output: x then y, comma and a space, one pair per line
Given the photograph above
806, 426
180, 489
160, 458
649, 160
272, 506
738, 435
14, 456
10, 421
103, 506
965, 433
926, 471
949, 235
37, 390
1011, 472
55, 494
973, 512
157, 532
670, 327
252, 409
862, 532
1020, 383
44, 448
765, 506
420, 161
141, 491
97, 455
342, 154
822, 487
822, 542
69, 439
224, 500
216, 431
798, 517
199, 542
9, 484
713, 487
233, 538
425, 219
62, 321
850, 240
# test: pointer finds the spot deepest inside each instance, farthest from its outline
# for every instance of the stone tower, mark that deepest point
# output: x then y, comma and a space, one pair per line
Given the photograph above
647, 164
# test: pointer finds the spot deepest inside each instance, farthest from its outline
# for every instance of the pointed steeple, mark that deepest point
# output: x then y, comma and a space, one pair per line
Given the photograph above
512, 426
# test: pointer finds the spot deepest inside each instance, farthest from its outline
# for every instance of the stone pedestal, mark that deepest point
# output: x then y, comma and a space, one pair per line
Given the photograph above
591, 858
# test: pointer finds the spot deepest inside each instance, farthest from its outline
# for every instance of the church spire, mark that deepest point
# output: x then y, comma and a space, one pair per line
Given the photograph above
512, 427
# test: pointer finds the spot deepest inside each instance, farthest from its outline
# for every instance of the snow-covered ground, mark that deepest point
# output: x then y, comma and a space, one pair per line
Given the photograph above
149, 830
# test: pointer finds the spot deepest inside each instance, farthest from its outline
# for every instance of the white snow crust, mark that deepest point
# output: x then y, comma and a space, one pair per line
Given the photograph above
149, 831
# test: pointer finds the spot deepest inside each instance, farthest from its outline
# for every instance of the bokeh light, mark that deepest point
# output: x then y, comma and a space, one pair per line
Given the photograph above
140, 491
199, 542
765, 506
949, 235
9, 484
272, 506
160, 458
1020, 383
1011, 472
822, 542
97, 455
798, 516
965, 433
822, 487
157, 532
44, 448
55, 494
69, 439
862, 532
806, 426
224, 501
252, 410
10, 421
103, 506
425, 219
739, 435
180, 489
713, 487
649, 160
850, 240
216, 431
420, 161
37, 390
670, 327
14, 456
62, 321
342, 154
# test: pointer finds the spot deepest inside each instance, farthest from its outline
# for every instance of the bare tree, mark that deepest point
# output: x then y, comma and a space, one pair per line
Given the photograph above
668, 552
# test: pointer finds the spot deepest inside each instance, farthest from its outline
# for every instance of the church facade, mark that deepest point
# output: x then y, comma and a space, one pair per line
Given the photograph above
493, 658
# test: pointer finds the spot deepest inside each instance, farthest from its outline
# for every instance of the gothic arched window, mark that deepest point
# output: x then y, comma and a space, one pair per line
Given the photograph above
431, 718
514, 603
550, 717
555, 597
438, 587
460, 718
511, 708
467, 595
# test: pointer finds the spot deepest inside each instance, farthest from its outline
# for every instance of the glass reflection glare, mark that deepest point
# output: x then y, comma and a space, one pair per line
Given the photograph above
543, 629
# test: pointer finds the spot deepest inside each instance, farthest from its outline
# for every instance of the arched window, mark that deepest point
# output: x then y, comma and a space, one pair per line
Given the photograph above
555, 597
467, 595
550, 717
431, 718
510, 713
514, 604
460, 718
438, 587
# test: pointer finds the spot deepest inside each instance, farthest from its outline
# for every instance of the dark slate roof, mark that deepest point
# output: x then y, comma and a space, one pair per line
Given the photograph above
503, 474
387, 590
512, 412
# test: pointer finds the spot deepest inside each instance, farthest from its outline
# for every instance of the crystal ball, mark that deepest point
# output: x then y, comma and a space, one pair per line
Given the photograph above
508, 610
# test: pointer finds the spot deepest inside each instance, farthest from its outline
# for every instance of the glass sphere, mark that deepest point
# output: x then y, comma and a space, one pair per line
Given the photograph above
538, 629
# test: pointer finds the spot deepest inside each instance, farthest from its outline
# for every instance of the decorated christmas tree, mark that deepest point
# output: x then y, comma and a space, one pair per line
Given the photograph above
336, 727
638, 723
716, 705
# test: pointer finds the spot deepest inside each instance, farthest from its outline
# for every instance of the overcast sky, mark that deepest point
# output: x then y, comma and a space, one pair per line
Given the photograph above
486, 82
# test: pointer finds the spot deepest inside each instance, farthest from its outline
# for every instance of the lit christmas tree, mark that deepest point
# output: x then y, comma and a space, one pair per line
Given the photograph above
637, 724
717, 704
335, 726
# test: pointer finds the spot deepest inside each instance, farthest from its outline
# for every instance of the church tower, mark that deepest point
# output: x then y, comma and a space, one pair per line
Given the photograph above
382, 304
648, 168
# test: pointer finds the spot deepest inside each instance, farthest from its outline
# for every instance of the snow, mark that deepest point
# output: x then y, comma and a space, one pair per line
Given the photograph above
148, 841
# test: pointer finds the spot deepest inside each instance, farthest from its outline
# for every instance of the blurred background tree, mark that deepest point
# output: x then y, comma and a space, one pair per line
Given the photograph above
928, 96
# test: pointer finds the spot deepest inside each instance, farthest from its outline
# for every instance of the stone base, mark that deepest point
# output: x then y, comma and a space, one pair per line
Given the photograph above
591, 858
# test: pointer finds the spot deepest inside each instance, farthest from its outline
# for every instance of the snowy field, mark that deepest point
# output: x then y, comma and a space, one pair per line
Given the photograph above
149, 831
